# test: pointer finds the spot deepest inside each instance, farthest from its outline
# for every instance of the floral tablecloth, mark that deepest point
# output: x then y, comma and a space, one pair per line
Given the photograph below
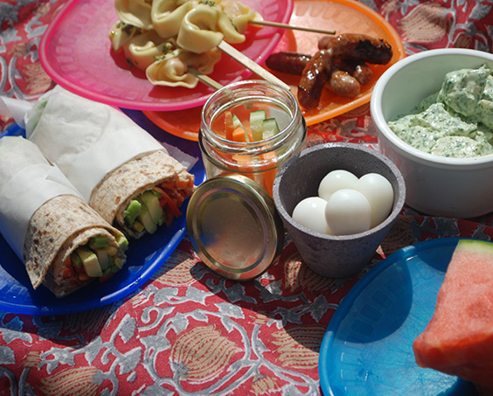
189, 331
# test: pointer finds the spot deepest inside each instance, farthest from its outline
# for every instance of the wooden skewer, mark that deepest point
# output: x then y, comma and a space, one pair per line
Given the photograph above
292, 27
250, 64
205, 79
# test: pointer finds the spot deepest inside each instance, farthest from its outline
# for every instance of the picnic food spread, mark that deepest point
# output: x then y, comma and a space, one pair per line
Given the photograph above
455, 122
90, 180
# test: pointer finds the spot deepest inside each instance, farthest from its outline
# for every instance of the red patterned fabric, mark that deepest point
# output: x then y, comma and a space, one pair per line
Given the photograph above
190, 331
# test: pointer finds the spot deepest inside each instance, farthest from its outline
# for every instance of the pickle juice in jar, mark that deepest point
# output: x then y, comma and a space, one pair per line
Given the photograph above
251, 128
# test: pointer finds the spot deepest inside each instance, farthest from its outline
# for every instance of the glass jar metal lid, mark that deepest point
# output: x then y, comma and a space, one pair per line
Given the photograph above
234, 226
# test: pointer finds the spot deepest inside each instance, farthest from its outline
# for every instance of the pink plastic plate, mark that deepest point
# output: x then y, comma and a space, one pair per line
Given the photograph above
76, 53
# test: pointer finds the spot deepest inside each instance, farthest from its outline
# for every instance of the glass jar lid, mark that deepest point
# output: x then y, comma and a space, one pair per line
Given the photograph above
234, 226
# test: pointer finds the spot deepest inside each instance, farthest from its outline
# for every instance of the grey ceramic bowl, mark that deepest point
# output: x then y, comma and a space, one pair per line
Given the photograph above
329, 255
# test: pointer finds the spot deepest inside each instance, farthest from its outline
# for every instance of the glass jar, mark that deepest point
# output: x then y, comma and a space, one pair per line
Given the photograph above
254, 157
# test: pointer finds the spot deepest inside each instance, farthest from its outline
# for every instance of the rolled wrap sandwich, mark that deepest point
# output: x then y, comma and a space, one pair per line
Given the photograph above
63, 242
123, 172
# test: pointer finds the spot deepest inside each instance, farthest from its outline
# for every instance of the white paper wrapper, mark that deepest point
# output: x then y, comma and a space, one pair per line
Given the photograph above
15, 108
23, 113
27, 181
78, 134
188, 161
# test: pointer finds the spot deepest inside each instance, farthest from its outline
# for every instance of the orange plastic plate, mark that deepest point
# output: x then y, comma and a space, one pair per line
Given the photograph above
342, 16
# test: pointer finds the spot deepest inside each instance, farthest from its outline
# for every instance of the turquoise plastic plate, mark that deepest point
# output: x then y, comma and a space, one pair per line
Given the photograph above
367, 349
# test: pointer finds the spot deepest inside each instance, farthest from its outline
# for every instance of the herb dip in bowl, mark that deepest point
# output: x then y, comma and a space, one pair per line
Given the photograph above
454, 178
456, 121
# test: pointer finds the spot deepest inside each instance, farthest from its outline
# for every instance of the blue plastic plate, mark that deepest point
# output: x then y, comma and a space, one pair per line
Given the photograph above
144, 256
367, 349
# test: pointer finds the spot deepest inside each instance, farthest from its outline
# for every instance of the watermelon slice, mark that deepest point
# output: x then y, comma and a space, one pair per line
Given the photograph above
459, 338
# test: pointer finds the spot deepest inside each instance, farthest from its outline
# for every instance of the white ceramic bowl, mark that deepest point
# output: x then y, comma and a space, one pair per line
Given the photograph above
440, 186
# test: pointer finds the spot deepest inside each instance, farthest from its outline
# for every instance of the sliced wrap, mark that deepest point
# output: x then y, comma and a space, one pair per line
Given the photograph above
47, 223
122, 171
156, 171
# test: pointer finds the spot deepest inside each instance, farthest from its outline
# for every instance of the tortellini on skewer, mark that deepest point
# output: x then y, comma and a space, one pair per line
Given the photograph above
229, 31
172, 72
121, 33
135, 12
204, 27
167, 16
142, 50
173, 69
166, 37
197, 32
165, 63
239, 14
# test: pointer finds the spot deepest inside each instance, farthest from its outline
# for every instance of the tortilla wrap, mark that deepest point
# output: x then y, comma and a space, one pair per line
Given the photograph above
85, 139
43, 217
56, 229
111, 197
105, 155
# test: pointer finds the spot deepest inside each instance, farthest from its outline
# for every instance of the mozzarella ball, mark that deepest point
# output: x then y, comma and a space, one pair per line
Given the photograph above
336, 180
379, 192
348, 212
310, 212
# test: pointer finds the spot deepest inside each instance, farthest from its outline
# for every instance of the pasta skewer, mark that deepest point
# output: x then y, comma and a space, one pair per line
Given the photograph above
291, 27
250, 64
166, 38
205, 79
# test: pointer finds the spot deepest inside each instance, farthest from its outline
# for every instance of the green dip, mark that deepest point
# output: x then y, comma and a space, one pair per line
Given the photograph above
457, 121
